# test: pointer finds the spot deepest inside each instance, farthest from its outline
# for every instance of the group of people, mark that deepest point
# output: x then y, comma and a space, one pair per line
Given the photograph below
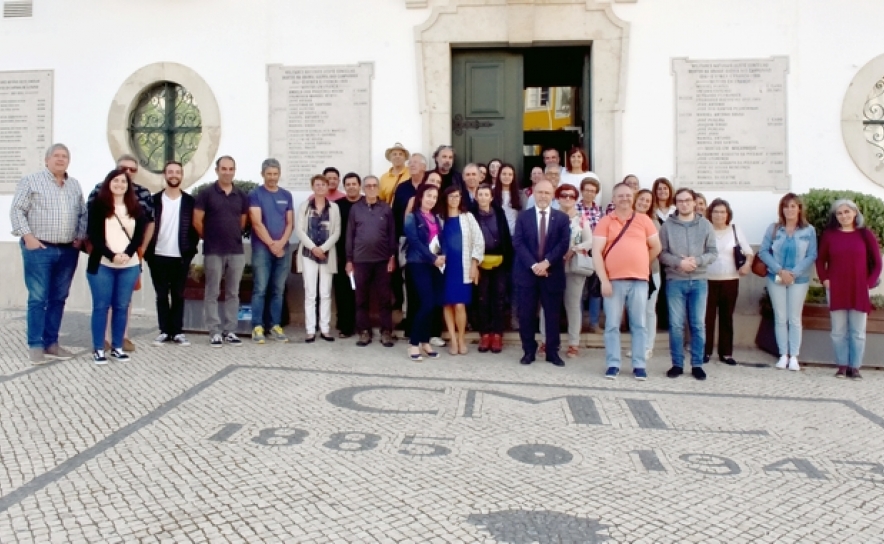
453, 249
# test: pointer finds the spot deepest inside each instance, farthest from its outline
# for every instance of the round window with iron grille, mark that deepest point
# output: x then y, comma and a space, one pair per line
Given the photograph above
166, 125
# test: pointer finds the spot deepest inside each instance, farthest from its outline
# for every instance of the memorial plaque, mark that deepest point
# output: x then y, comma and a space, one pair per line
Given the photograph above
25, 124
731, 124
320, 116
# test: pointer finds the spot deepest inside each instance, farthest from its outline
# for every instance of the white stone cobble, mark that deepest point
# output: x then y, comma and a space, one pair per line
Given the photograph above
329, 442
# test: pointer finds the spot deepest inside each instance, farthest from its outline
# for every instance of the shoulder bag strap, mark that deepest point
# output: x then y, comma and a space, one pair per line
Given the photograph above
617, 239
736, 238
122, 227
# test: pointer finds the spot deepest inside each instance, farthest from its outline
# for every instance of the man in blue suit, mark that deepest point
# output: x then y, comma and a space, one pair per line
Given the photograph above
540, 241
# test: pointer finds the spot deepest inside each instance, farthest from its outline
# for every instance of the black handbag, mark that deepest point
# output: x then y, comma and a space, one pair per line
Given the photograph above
739, 256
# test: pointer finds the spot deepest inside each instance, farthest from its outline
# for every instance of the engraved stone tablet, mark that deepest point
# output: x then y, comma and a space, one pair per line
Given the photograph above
25, 124
731, 124
320, 116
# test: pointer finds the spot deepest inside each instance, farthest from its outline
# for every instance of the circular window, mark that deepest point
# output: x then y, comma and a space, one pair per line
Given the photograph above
166, 125
873, 119
165, 111
862, 120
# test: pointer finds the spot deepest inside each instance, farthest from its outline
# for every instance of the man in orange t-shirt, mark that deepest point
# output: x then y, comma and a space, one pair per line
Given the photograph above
624, 244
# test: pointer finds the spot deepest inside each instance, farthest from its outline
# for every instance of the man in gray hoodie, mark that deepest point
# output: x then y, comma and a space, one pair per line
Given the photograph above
688, 242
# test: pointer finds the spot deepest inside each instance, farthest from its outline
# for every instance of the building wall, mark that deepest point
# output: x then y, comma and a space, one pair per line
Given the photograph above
94, 45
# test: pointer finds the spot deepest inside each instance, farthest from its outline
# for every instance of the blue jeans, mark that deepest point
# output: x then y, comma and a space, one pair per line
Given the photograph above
687, 301
595, 308
111, 289
48, 276
633, 294
270, 273
787, 302
849, 337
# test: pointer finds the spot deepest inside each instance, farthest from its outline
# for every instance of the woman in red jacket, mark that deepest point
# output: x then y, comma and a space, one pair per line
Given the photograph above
849, 264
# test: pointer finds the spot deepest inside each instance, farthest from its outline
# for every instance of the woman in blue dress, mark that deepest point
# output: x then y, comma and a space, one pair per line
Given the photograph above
464, 248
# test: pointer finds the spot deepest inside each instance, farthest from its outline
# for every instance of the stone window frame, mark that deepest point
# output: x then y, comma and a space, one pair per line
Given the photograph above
126, 100
862, 153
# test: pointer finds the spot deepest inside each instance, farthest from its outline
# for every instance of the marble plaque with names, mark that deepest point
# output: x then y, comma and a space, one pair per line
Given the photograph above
320, 116
25, 124
731, 124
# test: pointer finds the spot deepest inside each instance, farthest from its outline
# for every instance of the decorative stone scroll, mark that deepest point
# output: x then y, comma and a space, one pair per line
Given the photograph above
320, 116
731, 125
25, 124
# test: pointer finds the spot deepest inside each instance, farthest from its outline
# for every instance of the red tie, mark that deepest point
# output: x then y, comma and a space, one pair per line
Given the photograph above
542, 241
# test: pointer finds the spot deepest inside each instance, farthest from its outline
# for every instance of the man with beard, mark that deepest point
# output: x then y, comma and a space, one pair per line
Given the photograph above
444, 158
169, 252
345, 296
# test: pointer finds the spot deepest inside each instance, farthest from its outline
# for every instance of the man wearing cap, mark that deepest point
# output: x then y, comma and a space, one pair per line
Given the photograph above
397, 173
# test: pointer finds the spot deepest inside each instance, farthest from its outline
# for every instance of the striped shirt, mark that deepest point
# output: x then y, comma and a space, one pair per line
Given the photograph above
52, 213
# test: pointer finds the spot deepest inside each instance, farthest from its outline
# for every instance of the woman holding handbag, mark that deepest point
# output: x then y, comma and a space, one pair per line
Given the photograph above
734, 260
789, 250
578, 265
494, 270
849, 264
116, 228
644, 202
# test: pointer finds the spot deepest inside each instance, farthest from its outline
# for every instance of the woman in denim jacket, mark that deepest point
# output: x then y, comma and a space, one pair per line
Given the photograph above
789, 250
424, 256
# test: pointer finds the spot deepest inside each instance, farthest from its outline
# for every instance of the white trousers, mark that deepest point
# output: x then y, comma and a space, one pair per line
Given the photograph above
311, 271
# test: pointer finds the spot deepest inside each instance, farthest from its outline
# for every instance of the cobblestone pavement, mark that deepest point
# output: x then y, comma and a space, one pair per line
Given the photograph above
334, 443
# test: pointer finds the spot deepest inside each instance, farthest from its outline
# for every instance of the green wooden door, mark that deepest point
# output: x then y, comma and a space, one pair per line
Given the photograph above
487, 112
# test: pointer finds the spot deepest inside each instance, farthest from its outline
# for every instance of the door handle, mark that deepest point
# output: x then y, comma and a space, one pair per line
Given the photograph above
459, 124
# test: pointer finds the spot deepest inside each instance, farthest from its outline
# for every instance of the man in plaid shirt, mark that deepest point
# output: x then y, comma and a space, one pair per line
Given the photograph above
49, 215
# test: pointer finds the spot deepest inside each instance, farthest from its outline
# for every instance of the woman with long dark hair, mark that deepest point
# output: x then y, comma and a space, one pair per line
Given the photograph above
644, 202
493, 172
507, 195
789, 250
424, 254
464, 250
494, 270
849, 264
664, 206
116, 228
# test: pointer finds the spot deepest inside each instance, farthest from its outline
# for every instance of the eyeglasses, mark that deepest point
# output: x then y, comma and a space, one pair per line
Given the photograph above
371, 185
684, 200
129, 169
568, 196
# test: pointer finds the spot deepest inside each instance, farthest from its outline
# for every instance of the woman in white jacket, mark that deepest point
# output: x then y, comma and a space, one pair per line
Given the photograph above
318, 227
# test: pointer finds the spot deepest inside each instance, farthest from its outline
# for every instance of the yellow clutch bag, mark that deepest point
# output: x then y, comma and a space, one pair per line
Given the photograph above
491, 261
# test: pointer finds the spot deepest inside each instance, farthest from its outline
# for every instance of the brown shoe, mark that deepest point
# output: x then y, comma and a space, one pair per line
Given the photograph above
496, 343
842, 372
58, 353
128, 345
484, 343
364, 339
387, 339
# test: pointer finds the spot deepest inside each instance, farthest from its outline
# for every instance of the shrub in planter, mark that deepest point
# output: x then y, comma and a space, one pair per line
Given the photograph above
818, 204
244, 186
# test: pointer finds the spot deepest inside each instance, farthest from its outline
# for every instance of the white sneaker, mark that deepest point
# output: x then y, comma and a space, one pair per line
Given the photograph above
783, 362
181, 340
793, 363
160, 339
436, 341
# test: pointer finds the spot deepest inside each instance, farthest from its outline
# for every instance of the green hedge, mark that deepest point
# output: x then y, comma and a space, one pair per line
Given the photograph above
818, 204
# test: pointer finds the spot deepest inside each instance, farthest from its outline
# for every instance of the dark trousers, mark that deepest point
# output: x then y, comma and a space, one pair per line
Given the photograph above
721, 302
345, 302
492, 298
373, 280
168, 275
425, 281
551, 301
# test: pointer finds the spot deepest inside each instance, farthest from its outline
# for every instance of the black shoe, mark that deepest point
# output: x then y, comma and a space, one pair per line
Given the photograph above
364, 339
674, 372
527, 358
706, 358
327, 338
698, 373
555, 359
310, 339
729, 361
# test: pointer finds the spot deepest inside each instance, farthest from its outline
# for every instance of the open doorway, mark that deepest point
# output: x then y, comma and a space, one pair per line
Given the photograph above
512, 103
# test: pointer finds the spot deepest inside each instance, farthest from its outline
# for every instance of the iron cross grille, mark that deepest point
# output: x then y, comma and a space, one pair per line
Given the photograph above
873, 118
166, 125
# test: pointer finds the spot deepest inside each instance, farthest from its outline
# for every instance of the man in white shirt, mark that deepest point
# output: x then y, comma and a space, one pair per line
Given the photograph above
169, 252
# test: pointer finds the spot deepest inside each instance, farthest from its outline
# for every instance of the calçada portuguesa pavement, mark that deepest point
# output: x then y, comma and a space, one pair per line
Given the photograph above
329, 442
